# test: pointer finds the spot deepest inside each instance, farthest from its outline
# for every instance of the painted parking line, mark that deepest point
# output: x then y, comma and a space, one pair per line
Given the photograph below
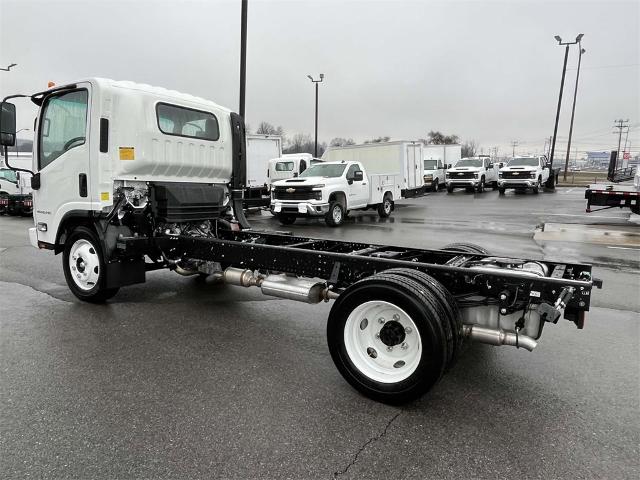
575, 215
626, 248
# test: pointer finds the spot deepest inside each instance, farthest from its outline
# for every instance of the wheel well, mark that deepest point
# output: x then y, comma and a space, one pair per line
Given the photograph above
339, 197
387, 193
69, 223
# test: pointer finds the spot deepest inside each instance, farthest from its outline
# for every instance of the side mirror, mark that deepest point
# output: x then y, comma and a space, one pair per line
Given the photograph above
501, 164
490, 165
295, 174
7, 124
448, 165
358, 176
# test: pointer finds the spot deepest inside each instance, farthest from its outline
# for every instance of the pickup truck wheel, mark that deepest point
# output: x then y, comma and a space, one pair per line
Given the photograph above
436, 185
384, 208
449, 189
286, 219
388, 338
84, 267
494, 185
481, 185
501, 190
335, 215
466, 248
536, 189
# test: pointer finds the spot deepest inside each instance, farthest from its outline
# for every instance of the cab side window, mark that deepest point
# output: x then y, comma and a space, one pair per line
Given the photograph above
351, 173
63, 125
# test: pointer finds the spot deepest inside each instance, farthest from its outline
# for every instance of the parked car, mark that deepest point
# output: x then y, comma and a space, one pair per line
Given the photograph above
524, 173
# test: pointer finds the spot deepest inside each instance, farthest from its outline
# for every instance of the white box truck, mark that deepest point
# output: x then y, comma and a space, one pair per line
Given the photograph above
402, 158
437, 158
260, 149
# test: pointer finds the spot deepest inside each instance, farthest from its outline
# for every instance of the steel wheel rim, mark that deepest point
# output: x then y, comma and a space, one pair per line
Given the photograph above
84, 264
337, 214
366, 349
387, 206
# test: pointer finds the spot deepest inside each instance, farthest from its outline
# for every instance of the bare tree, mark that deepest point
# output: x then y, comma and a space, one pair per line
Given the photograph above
378, 140
469, 149
438, 138
265, 128
341, 142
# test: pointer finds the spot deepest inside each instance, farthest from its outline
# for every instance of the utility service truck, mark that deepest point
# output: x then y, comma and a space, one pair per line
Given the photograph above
131, 178
437, 158
331, 190
522, 173
389, 158
473, 174
260, 149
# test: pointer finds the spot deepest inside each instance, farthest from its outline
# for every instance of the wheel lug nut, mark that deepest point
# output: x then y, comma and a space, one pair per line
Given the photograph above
396, 317
404, 346
408, 330
503, 311
381, 320
377, 335
389, 349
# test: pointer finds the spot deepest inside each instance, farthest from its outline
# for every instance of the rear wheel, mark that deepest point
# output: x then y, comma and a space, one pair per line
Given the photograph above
384, 208
388, 337
335, 215
286, 219
84, 267
436, 185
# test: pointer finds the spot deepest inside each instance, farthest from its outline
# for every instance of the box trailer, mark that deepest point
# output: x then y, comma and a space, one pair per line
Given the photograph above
260, 149
403, 158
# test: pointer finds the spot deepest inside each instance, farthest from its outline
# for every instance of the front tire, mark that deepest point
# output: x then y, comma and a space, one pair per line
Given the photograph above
335, 215
436, 186
449, 189
501, 190
536, 189
480, 187
388, 337
84, 267
385, 208
286, 219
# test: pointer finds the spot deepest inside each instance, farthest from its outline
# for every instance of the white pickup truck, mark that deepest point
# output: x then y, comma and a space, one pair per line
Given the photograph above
523, 173
332, 189
472, 174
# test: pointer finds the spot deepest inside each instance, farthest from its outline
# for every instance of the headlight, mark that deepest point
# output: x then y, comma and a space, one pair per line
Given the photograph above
499, 175
533, 174
320, 185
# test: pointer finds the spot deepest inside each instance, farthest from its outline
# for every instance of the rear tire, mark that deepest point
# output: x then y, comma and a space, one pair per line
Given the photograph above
84, 267
385, 208
466, 248
286, 219
388, 339
335, 215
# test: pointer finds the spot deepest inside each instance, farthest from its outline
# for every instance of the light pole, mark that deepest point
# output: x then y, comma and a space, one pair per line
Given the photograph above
9, 67
573, 108
551, 181
315, 154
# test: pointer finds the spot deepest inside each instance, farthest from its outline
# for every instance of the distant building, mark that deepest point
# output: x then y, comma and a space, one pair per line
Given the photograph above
598, 159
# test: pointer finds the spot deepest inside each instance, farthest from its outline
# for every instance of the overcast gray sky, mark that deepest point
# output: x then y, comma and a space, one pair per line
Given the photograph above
487, 71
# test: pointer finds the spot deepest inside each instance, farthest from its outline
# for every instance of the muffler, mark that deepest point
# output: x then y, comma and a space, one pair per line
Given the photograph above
282, 286
498, 337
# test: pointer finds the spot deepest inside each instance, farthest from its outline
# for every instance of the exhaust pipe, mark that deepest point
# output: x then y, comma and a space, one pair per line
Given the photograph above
498, 337
292, 288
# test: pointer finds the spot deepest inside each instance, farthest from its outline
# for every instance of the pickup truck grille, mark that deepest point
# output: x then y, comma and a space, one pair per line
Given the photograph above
522, 174
454, 175
296, 193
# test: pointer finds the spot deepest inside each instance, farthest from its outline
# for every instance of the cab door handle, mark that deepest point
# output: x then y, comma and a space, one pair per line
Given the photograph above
82, 184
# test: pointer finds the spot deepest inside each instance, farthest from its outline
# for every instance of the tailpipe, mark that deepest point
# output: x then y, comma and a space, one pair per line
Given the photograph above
498, 337
293, 288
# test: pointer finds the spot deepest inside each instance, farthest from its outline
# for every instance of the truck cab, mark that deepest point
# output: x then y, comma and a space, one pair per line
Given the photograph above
331, 190
434, 174
522, 173
472, 174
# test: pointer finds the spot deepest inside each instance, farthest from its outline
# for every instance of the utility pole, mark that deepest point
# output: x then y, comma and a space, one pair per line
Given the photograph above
514, 144
243, 55
573, 108
620, 124
315, 154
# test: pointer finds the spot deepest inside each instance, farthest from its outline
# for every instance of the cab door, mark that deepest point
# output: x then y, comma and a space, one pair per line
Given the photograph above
61, 159
358, 189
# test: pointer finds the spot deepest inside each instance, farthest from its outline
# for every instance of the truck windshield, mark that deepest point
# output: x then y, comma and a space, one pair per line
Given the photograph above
469, 162
524, 162
284, 166
430, 164
10, 175
324, 170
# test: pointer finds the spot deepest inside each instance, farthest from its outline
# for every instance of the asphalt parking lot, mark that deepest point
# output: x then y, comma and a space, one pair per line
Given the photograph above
178, 378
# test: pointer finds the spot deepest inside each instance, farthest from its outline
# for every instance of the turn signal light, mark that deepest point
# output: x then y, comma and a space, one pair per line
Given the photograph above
51, 84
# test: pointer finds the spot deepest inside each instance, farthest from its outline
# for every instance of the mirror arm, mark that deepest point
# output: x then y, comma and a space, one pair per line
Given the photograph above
6, 162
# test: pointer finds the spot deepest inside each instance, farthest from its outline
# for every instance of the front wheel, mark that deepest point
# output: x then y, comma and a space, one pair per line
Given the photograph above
449, 189
501, 190
384, 208
436, 186
536, 189
480, 187
335, 215
84, 267
286, 219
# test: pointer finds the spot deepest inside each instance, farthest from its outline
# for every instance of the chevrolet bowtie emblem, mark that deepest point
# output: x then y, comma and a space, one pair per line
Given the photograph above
461, 174
290, 190
515, 173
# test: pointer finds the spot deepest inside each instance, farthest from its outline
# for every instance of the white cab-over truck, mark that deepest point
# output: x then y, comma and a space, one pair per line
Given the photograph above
131, 178
522, 173
260, 150
472, 174
331, 190
15, 186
